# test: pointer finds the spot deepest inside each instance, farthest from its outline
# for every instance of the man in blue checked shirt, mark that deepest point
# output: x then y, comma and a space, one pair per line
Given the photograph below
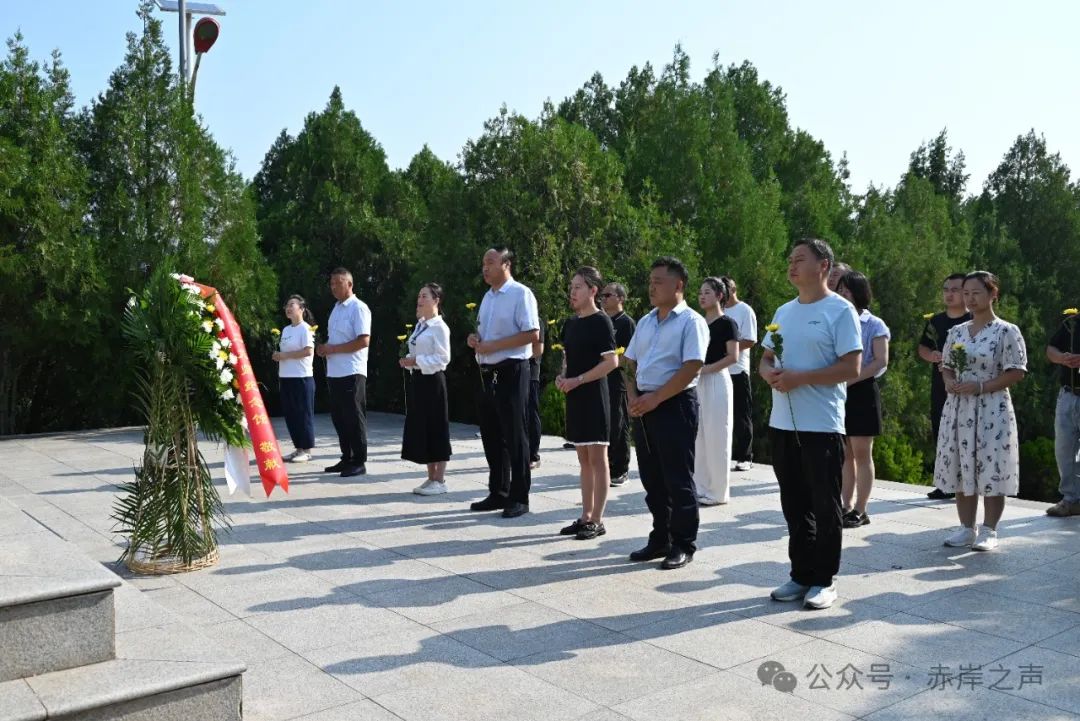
667, 351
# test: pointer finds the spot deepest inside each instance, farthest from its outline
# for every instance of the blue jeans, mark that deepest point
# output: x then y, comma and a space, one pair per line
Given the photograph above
1067, 444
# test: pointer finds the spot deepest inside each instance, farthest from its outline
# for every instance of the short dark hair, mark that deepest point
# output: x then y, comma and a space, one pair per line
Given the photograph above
341, 270
988, 280
673, 266
436, 291
719, 286
506, 256
859, 287
820, 249
619, 289
954, 276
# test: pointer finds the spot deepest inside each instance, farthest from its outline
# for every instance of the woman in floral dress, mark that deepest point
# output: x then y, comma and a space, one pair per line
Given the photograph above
978, 448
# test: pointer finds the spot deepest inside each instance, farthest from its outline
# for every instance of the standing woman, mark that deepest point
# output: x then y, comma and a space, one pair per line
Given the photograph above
427, 422
294, 356
978, 447
712, 453
862, 421
589, 355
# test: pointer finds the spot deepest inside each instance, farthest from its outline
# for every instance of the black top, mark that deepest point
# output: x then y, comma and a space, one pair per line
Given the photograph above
935, 340
534, 362
624, 329
1067, 340
585, 340
721, 330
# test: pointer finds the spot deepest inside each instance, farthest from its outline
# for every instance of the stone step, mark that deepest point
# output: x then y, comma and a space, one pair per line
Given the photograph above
131, 689
56, 605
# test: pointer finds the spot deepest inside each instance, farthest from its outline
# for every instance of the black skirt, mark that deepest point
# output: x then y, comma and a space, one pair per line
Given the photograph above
863, 409
427, 422
588, 415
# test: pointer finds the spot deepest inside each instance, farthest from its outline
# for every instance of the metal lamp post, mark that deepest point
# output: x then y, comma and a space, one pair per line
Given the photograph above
206, 34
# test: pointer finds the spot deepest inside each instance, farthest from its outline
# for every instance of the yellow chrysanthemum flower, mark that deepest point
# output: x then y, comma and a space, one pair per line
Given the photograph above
471, 306
402, 337
551, 322
1070, 311
927, 316
772, 327
958, 346
620, 350
275, 331
210, 308
557, 346
408, 326
314, 328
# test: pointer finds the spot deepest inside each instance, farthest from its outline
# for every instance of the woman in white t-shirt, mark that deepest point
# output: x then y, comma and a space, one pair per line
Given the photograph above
297, 378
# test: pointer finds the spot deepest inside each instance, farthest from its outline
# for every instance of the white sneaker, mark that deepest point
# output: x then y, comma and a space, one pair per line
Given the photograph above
986, 541
744, 466
430, 488
290, 456
960, 538
299, 457
820, 596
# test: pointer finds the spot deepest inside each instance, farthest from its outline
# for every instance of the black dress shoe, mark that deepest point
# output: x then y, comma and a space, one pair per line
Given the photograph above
339, 466
491, 503
939, 495
650, 553
677, 559
350, 471
515, 509
573, 528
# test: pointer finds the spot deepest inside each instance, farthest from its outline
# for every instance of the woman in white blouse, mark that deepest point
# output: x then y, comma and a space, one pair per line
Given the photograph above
427, 423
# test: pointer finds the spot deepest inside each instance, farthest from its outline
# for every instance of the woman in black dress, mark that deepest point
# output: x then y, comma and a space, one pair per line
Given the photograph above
427, 424
589, 355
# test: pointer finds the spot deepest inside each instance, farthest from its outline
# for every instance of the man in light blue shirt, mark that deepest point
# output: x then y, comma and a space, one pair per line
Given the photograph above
812, 348
508, 326
346, 353
667, 351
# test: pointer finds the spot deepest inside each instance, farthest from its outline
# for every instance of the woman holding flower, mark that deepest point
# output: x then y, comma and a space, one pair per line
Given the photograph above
296, 349
712, 454
589, 343
427, 422
978, 446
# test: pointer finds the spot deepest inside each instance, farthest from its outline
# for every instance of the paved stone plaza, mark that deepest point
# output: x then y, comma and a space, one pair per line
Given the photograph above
352, 599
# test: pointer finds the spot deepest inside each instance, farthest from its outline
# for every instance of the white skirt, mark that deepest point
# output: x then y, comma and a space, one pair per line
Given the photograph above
712, 449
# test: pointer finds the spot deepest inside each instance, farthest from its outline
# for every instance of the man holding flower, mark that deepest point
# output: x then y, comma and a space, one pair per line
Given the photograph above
507, 326
931, 346
812, 349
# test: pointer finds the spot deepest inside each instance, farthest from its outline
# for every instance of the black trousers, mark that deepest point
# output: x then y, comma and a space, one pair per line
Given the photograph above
808, 469
618, 451
348, 411
664, 440
298, 406
534, 419
504, 404
742, 430
937, 407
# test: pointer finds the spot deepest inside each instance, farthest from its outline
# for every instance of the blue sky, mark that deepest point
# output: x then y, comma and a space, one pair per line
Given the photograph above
871, 79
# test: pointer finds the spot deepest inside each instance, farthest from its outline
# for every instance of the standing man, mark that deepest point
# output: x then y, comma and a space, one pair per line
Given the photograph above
346, 354
1064, 350
930, 347
813, 348
535, 428
667, 350
612, 299
742, 448
508, 326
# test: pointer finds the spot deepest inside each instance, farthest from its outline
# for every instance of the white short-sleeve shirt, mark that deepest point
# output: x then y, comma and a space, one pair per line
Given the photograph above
350, 319
294, 338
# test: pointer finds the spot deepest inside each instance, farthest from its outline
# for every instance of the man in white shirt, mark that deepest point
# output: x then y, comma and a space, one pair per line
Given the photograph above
346, 354
813, 347
742, 444
508, 326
